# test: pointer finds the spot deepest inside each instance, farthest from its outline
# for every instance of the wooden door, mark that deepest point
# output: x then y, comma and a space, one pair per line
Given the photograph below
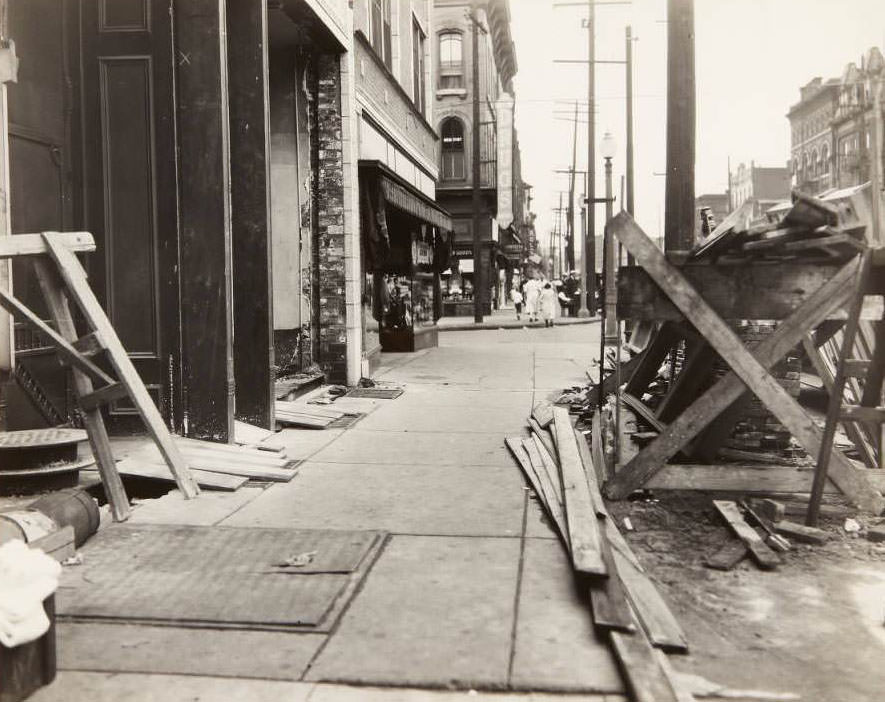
130, 186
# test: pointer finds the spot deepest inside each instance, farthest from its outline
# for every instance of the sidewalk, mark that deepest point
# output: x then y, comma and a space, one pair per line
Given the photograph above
469, 591
506, 319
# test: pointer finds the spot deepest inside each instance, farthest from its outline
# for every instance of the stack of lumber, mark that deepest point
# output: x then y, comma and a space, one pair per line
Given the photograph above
626, 606
811, 228
299, 414
214, 465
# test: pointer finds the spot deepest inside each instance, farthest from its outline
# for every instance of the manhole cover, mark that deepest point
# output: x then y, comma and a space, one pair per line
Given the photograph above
32, 438
376, 393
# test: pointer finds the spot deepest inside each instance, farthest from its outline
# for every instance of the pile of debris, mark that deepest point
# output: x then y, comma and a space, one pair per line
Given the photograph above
811, 228
626, 606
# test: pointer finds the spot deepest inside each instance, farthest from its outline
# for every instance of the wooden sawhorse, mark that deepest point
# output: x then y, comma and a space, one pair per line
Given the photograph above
67, 278
750, 370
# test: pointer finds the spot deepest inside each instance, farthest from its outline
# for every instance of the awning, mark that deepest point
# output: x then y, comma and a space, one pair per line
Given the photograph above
405, 197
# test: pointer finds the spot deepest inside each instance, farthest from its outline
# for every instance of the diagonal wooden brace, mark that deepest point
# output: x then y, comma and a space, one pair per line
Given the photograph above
749, 369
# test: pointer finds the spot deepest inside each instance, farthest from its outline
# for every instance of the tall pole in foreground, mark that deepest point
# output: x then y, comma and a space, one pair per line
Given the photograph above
478, 282
589, 290
586, 213
630, 180
679, 199
611, 264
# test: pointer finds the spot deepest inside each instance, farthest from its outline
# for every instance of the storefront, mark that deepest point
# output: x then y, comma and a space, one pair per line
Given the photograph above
405, 247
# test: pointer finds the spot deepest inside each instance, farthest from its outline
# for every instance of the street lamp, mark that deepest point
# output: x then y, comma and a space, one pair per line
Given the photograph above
607, 149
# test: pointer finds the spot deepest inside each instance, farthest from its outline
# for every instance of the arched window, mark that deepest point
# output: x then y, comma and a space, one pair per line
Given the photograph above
815, 160
451, 61
452, 135
825, 158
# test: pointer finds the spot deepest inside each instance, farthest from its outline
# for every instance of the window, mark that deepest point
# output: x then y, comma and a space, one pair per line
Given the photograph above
825, 158
452, 133
451, 64
380, 25
418, 92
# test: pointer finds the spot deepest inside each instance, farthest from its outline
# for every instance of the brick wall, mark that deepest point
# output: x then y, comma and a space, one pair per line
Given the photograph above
327, 163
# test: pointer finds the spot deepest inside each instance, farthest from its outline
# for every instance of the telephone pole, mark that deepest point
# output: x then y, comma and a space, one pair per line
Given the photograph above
478, 272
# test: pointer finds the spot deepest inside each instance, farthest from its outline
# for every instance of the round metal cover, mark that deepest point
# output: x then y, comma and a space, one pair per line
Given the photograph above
33, 438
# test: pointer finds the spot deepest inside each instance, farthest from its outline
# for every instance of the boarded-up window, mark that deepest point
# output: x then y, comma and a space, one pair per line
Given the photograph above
452, 135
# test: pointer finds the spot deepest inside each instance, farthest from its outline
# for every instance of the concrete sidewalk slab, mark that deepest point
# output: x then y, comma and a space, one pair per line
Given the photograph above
169, 650
429, 396
556, 647
342, 693
404, 499
434, 611
421, 448
467, 418
208, 509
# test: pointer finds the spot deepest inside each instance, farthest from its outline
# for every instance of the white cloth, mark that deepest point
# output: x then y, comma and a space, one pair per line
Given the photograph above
27, 577
515, 296
547, 303
532, 292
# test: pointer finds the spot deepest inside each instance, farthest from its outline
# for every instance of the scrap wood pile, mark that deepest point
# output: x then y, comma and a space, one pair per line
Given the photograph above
626, 606
217, 466
812, 228
299, 414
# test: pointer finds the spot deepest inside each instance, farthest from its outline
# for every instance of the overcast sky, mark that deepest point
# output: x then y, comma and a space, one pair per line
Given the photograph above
751, 58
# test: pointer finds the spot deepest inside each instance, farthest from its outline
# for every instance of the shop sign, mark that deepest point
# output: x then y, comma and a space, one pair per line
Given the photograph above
512, 249
422, 253
462, 251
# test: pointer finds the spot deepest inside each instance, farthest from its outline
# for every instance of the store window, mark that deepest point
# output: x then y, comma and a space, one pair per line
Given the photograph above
380, 24
418, 91
453, 162
451, 63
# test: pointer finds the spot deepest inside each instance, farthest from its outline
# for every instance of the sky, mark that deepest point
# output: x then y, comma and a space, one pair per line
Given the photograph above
751, 58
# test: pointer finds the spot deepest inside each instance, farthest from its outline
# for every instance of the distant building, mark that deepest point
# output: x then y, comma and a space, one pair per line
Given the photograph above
763, 186
502, 191
832, 128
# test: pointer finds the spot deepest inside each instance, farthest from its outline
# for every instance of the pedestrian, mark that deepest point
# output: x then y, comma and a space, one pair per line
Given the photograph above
532, 292
516, 298
547, 300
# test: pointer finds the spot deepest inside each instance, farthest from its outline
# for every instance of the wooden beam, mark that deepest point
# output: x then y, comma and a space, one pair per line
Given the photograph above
579, 511
58, 306
749, 291
651, 359
33, 245
759, 550
247, 50
696, 371
750, 367
204, 218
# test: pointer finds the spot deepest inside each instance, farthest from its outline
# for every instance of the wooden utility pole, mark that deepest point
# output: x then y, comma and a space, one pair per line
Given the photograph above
478, 284
630, 179
7, 344
590, 235
679, 200
570, 221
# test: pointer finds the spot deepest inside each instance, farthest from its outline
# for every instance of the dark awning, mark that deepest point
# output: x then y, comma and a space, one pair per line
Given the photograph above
406, 197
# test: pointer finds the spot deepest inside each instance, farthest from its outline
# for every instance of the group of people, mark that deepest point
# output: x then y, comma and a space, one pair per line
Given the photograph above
539, 298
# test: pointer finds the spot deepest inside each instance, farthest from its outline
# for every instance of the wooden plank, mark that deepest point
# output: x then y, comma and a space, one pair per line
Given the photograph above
696, 371
301, 408
74, 276
57, 544
652, 611
608, 598
157, 470
762, 554
579, 512
300, 420
33, 244
641, 668
551, 469
63, 346
89, 344
727, 557
597, 450
721, 237
750, 367
544, 435
186, 443
856, 413
250, 221
59, 309
219, 464
609, 384
543, 414
519, 447
802, 533
548, 478
667, 336
249, 458
103, 396
644, 412
749, 478
759, 290
590, 474
247, 434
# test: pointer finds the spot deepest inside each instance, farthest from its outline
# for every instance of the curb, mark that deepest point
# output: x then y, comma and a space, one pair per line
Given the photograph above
537, 325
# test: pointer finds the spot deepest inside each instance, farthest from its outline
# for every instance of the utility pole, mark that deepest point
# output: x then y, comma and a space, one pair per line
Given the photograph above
679, 199
630, 180
478, 272
570, 221
589, 272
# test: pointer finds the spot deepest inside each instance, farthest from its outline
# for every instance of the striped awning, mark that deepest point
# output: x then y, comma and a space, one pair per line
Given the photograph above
415, 203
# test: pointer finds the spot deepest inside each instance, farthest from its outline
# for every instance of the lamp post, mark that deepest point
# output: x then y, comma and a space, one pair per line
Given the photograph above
607, 149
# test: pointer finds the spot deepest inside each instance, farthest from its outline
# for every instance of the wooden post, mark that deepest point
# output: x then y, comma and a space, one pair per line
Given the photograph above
679, 198
7, 342
205, 218
590, 240
630, 176
247, 45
